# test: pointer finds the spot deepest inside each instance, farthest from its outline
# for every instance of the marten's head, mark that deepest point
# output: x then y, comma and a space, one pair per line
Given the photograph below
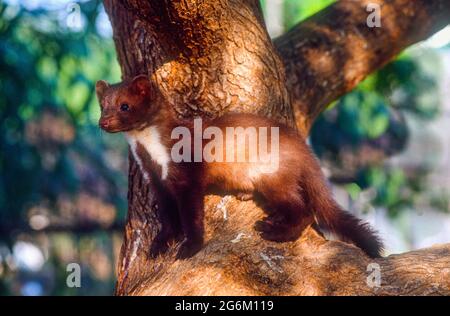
128, 105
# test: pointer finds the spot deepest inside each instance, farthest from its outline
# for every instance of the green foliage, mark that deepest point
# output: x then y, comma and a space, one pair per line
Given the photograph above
51, 148
369, 121
411, 84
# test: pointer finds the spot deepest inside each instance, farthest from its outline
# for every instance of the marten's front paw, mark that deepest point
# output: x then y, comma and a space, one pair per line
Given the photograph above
189, 247
276, 231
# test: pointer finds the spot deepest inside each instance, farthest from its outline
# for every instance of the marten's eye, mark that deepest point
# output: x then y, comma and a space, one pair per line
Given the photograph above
124, 107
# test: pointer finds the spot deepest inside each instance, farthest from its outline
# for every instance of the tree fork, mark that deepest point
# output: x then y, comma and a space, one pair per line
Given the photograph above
210, 57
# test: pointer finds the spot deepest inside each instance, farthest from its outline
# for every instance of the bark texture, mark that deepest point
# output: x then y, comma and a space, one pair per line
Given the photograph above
210, 57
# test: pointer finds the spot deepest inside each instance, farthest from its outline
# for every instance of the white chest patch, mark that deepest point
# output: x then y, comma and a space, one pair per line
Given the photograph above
150, 139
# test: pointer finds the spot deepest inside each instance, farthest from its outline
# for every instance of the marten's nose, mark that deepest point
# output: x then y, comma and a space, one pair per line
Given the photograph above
104, 123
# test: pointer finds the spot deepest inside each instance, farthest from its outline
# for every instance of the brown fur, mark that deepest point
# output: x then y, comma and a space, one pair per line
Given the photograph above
294, 195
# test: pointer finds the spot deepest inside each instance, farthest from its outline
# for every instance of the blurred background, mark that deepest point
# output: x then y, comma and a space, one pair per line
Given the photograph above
63, 183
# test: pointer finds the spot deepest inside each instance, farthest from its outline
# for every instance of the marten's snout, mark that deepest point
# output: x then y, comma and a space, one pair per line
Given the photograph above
104, 123
111, 124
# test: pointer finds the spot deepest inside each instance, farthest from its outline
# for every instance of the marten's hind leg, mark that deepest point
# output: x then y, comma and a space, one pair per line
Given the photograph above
288, 215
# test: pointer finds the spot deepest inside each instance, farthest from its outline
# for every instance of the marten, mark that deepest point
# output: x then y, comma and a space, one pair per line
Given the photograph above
293, 189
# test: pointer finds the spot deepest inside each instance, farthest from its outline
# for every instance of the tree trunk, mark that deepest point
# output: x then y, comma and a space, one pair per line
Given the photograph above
211, 57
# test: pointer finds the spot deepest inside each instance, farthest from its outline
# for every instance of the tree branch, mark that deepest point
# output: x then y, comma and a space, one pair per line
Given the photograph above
327, 55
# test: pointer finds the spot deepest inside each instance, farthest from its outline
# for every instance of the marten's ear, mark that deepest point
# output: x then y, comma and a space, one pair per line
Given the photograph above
141, 84
100, 88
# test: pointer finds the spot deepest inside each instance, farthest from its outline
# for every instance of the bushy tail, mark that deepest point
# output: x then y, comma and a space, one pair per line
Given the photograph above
331, 217
352, 229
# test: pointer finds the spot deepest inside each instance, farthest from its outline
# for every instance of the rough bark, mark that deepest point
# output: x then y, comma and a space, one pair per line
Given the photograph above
210, 57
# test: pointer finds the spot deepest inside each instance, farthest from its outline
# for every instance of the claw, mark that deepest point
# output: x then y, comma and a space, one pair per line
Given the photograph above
244, 196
